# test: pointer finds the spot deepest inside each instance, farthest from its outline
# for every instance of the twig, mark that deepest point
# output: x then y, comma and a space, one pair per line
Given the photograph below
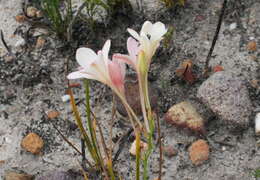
4, 42
206, 69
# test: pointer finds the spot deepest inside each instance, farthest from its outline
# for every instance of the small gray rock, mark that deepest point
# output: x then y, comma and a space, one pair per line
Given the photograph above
227, 96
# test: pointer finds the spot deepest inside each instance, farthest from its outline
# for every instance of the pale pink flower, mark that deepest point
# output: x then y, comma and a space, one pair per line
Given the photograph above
149, 37
99, 67
147, 41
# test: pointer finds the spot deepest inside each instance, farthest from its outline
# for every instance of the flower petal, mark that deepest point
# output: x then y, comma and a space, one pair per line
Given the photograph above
126, 59
132, 47
105, 49
146, 28
79, 75
157, 31
85, 56
133, 33
117, 74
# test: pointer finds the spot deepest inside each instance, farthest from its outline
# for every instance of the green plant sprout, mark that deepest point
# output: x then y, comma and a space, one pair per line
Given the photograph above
256, 173
59, 21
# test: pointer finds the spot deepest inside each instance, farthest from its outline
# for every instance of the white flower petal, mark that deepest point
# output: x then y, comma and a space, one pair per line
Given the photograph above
79, 75
157, 31
105, 49
85, 56
133, 33
146, 28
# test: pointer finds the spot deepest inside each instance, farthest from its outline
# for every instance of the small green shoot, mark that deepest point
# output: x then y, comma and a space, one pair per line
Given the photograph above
256, 173
59, 21
168, 37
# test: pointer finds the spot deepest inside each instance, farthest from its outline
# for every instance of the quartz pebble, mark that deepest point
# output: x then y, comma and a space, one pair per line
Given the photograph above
232, 26
65, 98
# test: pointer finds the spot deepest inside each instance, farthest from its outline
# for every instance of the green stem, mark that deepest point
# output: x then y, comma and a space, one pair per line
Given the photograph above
89, 122
92, 129
142, 99
81, 128
147, 155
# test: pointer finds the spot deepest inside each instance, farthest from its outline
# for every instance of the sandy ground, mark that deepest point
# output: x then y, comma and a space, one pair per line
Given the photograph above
33, 84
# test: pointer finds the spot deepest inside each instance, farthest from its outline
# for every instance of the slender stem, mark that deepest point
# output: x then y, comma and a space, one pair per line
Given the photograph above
129, 110
101, 134
142, 99
147, 155
81, 128
215, 36
138, 154
93, 131
89, 122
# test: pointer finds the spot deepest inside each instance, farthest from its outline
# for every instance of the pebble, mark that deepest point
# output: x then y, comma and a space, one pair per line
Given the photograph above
40, 42
169, 151
199, 152
227, 96
20, 18
32, 143
65, 98
143, 146
53, 114
251, 46
257, 124
31, 11
17, 176
232, 26
185, 115
218, 68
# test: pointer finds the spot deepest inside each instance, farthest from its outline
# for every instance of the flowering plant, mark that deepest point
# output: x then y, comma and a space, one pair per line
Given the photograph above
98, 66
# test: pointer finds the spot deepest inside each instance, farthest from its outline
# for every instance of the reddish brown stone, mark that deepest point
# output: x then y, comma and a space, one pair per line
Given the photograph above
199, 152
32, 143
169, 151
184, 115
251, 46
